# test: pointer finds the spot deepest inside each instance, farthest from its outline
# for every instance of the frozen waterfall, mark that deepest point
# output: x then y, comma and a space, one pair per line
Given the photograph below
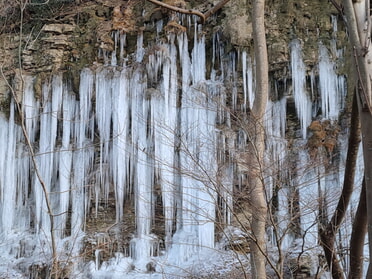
155, 136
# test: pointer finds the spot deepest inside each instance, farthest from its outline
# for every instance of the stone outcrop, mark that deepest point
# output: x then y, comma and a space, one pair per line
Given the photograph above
81, 30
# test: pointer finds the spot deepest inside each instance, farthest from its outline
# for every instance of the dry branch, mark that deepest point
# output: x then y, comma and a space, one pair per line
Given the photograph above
202, 16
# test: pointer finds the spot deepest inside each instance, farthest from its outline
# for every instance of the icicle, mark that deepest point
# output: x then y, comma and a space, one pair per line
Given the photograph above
275, 118
120, 148
142, 246
328, 82
30, 108
185, 61
22, 205
83, 156
65, 162
197, 157
247, 80
114, 60
198, 184
52, 101
302, 100
250, 85
218, 52
244, 65
155, 63
140, 51
164, 121
159, 26
9, 188
226, 193
103, 117
198, 59
275, 168
232, 74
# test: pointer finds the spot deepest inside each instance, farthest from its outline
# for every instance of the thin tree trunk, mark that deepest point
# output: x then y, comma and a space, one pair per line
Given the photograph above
328, 234
358, 237
366, 122
256, 146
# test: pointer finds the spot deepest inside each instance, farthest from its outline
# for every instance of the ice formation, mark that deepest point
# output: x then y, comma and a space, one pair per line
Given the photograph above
154, 130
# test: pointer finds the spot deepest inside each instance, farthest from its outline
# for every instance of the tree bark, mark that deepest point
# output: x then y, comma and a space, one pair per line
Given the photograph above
328, 234
359, 22
358, 237
257, 146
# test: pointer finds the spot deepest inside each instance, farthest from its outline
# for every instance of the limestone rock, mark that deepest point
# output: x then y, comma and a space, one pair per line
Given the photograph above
58, 28
234, 28
4, 91
61, 41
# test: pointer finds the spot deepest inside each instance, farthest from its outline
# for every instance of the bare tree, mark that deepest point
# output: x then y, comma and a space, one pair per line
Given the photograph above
358, 236
329, 232
359, 24
256, 145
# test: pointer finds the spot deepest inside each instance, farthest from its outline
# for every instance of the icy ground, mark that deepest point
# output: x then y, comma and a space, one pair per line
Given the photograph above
24, 255
216, 263
204, 264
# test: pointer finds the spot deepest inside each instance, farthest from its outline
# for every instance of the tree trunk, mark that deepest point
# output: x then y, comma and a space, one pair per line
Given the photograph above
358, 237
366, 122
328, 234
257, 146
359, 22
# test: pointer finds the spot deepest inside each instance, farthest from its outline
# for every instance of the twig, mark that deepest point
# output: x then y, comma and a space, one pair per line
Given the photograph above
365, 100
337, 6
215, 8
180, 10
202, 16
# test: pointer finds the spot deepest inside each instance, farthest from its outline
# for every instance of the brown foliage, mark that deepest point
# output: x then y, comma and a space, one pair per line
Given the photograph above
324, 134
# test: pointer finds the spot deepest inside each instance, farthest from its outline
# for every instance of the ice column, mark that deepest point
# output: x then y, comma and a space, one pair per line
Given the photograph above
275, 168
103, 119
8, 186
83, 156
120, 144
142, 247
30, 108
144, 244
198, 60
52, 101
302, 100
65, 161
247, 80
331, 94
164, 123
197, 158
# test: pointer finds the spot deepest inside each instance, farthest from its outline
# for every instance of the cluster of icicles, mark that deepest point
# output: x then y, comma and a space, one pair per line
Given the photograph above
130, 127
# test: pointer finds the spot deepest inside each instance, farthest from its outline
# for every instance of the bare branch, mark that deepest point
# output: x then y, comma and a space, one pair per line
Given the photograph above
202, 16
180, 10
215, 8
337, 6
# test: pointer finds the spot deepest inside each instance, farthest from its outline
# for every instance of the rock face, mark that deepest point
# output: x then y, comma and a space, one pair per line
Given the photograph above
82, 35
56, 42
82, 30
